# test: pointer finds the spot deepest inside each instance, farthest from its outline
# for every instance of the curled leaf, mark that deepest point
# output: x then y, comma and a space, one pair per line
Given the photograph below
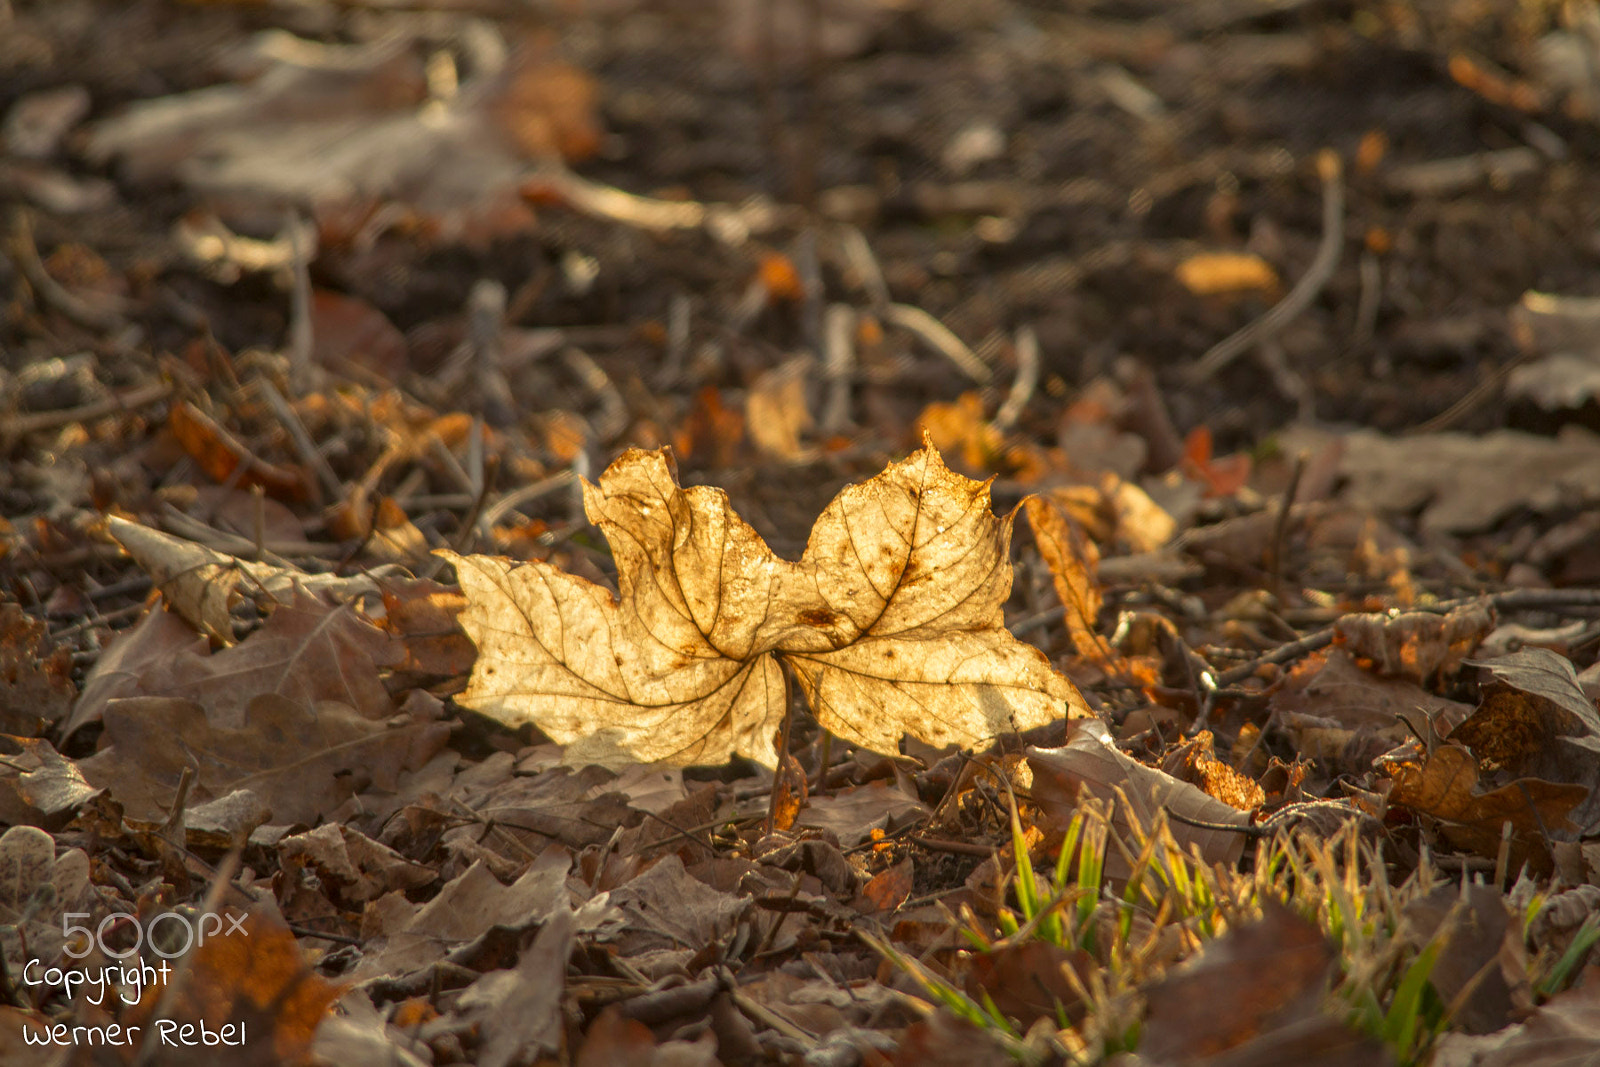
891, 621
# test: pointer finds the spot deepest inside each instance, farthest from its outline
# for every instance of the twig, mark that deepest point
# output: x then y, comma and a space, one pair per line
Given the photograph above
527, 494
1477, 396
1367, 305
729, 224
1026, 382
858, 255
1305, 290
1280, 529
302, 374
940, 338
310, 454
104, 315
612, 418
839, 358
116, 404
679, 312
960, 848
1282, 654
1512, 600
486, 316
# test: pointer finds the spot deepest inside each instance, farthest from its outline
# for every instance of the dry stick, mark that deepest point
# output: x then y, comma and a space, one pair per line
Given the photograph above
839, 358
104, 316
310, 454
940, 338
1371, 298
1280, 529
1476, 397
858, 255
526, 495
486, 317
679, 314
612, 417
117, 404
1304, 291
1513, 600
302, 374
1027, 348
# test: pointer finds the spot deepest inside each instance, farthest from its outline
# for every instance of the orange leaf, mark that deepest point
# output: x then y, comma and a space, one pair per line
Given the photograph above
221, 456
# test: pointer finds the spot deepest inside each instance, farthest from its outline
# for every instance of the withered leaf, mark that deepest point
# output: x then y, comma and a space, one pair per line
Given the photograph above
1071, 558
1534, 721
1091, 763
1444, 785
258, 978
307, 650
202, 584
891, 620
35, 677
1482, 966
302, 762
1418, 644
1252, 996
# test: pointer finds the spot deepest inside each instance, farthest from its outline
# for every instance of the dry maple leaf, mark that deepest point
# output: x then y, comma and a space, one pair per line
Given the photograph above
891, 621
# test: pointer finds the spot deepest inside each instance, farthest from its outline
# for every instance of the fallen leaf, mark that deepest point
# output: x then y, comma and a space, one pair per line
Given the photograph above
36, 886
1337, 712
347, 330
942, 1040
1419, 645
403, 937
518, 1011
302, 760
422, 614
712, 432
1091, 763
1510, 469
962, 429
158, 637
852, 814
1026, 980
227, 462
1444, 785
35, 678
1565, 1032
1534, 721
1210, 273
1222, 476
202, 584
1481, 954
665, 908
352, 868
776, 412
335, 126
256, 979
1072, 558
892, 622
39, 786
307, 651
1255, 994
888, 889
1195, 761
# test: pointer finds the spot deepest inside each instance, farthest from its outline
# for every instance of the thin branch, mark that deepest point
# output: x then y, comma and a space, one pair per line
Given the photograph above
940, 338
1026, 382
1305, 290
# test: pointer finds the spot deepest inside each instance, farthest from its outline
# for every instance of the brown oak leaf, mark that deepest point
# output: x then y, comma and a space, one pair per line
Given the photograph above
891, 621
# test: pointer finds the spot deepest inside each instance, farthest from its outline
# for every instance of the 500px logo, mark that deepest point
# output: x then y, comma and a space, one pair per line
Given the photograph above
164, 941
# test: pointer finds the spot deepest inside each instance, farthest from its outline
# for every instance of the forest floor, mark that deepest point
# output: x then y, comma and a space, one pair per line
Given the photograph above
1270, 325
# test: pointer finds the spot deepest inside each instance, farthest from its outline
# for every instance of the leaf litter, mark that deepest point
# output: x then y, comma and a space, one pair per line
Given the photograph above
1241, 757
